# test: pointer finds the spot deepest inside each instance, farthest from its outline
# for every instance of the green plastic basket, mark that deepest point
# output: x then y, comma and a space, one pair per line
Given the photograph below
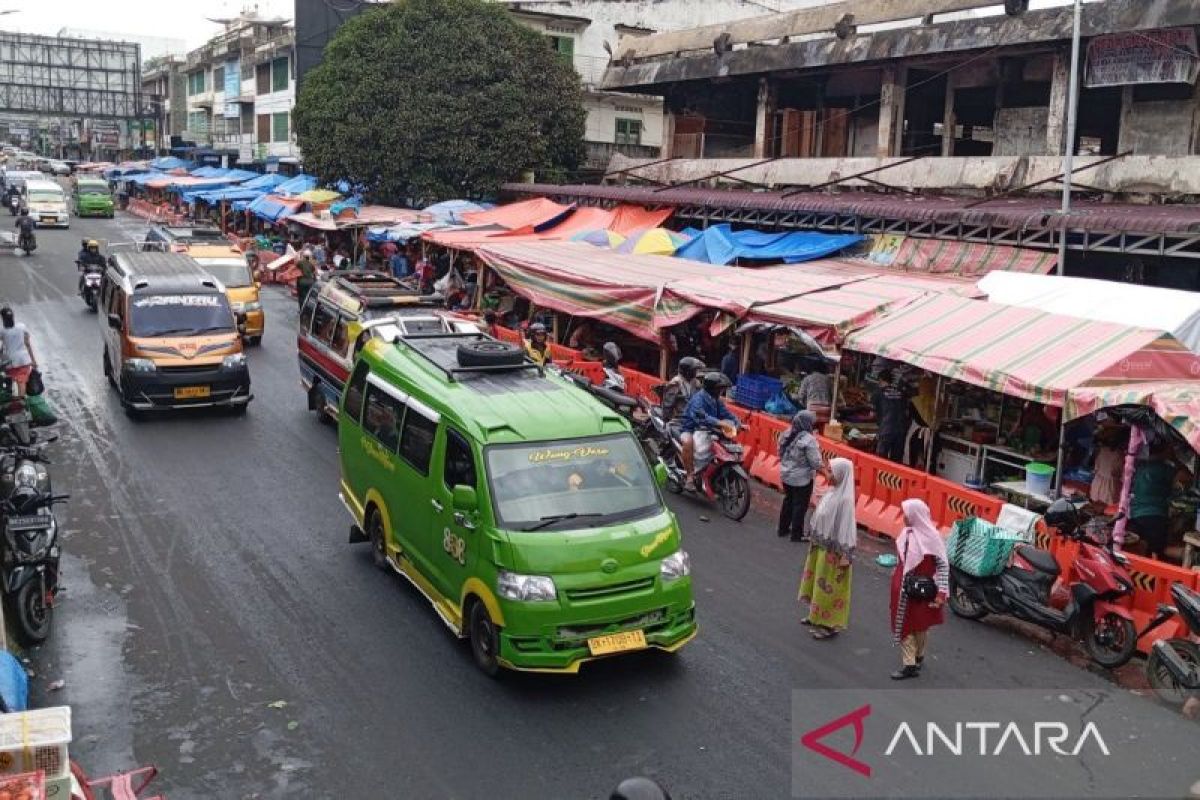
980, 548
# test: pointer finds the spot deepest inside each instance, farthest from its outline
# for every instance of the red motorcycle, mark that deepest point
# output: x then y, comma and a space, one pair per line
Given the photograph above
720, 477
1091, 602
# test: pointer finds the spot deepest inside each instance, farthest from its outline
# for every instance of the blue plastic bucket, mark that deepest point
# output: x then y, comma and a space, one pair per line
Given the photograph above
1039, 478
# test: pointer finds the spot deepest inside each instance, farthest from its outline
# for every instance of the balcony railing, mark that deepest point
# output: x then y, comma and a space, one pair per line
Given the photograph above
591, 69
598, 154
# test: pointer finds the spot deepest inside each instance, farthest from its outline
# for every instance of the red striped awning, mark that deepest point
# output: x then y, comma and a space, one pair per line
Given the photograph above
1022, 352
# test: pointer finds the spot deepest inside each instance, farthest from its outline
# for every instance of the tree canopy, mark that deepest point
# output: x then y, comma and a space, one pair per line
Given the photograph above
433, 99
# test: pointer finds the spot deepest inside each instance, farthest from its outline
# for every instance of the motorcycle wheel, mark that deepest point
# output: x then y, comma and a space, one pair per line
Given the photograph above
32, 614
733, 494
962, 604
1111, 643
1160, 678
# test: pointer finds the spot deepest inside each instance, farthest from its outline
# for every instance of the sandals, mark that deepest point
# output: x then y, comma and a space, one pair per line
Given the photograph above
820, 633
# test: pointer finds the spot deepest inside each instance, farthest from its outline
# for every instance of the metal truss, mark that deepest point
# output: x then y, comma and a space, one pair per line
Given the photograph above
62, 77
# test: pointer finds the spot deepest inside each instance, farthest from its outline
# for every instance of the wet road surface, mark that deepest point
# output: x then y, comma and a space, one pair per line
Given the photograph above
217, 624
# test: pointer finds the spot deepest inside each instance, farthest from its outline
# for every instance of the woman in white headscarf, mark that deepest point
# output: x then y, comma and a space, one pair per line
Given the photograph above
922, 553
825, 584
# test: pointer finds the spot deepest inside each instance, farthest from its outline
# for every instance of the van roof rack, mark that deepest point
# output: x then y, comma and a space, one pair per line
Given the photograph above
431, 347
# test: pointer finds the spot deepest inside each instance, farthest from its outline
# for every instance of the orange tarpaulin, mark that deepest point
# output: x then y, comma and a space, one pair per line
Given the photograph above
536, 212
627, 219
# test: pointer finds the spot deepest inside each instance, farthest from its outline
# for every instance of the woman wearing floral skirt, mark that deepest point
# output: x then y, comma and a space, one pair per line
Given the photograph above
825, 584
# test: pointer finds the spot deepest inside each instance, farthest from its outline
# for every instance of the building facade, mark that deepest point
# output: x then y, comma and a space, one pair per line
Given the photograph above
239, 91
164, 93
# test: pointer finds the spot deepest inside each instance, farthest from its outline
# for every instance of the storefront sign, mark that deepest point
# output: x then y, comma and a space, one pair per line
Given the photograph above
1169, 55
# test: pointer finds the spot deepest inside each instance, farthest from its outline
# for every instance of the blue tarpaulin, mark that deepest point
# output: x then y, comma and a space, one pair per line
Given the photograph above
171, 162
449, 212
296, 185
721, 244
269, 208
250, 190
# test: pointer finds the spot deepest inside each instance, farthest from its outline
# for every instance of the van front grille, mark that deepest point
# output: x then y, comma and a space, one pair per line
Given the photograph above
610, 590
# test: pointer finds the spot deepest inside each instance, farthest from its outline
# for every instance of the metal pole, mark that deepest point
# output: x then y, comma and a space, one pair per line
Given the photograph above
1062, 451
1069, 147
933, 427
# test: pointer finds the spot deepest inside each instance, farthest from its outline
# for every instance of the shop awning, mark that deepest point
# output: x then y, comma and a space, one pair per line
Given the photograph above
720, 244
528, 213
319, 196
585, 281
1173, 310
1176, 403
945, 257
272, 207
361, 217
560, 228
1022, 352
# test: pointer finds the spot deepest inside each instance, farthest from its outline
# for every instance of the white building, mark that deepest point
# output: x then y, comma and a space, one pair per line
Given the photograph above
584, 32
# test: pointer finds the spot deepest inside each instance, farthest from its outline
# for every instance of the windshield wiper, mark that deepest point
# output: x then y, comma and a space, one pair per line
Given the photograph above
546, 522
175, 332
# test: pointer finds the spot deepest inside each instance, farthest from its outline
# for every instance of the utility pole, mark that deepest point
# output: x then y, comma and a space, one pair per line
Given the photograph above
1068, 163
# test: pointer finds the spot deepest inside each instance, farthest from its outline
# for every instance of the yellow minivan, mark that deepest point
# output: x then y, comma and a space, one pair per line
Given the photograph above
228, 265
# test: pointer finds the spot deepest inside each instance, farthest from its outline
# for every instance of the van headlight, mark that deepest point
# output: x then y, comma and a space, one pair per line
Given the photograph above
528, 588
253, 305
235, 361
139, 365
675, 566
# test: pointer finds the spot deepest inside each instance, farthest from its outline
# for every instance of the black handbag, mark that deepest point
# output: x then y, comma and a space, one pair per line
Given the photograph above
919, 587
35, 385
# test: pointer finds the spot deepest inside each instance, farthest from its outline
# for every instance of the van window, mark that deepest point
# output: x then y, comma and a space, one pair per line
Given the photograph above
340, 336
355, 390
416, 446
460, 462
306, 313
381, 417
324, 321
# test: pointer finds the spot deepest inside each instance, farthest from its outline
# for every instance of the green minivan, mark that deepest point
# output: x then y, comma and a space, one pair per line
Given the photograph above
522, 508
93, 197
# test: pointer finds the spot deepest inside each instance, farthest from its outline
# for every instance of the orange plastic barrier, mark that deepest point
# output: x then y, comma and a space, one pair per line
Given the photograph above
509, 335
949, 502
765, 432
1152, 585
882, 486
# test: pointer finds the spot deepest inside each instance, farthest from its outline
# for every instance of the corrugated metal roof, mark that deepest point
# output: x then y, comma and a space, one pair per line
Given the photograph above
1035, 213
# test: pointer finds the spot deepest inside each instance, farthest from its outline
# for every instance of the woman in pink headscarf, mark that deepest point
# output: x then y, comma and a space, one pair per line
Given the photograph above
922, 553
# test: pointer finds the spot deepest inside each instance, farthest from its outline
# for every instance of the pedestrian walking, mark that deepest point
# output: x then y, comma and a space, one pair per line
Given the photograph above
799, 463
920, 586
307, 276
828, 571
18, 351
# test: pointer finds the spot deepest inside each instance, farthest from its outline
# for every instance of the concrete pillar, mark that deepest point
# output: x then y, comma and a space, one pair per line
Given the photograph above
1060, 83
668, 135
891, 112
1123, 133
764, 120
949, 119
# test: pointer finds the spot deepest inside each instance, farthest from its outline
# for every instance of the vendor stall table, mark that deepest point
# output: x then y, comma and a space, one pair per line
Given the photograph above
1016, 492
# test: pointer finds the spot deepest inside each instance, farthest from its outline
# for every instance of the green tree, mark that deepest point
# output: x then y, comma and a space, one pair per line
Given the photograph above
433, 99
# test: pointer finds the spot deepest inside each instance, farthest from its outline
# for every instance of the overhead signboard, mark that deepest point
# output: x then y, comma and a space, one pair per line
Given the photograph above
1168, 55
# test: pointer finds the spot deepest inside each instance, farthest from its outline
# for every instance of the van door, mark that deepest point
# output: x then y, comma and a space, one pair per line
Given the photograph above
454, 531
355, 466
417, 485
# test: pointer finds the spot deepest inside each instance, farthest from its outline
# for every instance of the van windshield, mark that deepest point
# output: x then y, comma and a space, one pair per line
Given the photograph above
233, 272
45, 196
180, 315
574, 483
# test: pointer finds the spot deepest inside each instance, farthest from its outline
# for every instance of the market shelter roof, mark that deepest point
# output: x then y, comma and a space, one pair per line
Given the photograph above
1022, 352
364, 216
561, 227
1173, 310
1177, 403
526, 213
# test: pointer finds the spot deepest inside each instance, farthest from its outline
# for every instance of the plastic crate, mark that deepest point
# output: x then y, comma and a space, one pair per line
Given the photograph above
982, 549
753, 391
36, 741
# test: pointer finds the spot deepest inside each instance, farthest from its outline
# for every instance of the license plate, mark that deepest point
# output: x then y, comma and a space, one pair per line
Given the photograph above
617, 643
33, 522
49, 219
192, 392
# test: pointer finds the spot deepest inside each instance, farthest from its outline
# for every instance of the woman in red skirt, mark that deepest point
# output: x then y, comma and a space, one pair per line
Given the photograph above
922, 552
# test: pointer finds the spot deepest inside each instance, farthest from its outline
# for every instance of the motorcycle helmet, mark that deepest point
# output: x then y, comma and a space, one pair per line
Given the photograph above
639, 789
537, 329
92, 244
612, 352
689, 367
1062, 515
716, 382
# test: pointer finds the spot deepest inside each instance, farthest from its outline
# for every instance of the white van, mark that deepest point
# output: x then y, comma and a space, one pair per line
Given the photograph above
47, 203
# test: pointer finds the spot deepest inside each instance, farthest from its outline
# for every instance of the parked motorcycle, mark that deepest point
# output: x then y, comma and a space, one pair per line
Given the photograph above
1173, 667
1091, 602
29, 549
89, 284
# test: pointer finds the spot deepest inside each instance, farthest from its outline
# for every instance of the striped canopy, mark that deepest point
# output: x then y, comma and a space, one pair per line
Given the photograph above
1177, 403
1022, 352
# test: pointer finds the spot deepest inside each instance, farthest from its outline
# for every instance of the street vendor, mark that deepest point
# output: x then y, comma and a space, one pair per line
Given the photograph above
1037, 428
1153, 483
815, 394
892, 413
308, 274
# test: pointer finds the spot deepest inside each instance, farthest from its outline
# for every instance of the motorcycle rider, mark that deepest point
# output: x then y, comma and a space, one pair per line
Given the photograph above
26, 225
538, 345
679, 390
89, 260
704, 412
613, 379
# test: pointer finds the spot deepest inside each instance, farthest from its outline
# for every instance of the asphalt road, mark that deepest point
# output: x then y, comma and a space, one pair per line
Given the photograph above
217, 624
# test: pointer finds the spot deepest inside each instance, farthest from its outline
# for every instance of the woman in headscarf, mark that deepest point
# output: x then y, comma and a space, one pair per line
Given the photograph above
825, 584
922, 552
799, 463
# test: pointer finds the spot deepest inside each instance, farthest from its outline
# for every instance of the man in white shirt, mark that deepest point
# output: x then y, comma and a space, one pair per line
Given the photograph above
14, 337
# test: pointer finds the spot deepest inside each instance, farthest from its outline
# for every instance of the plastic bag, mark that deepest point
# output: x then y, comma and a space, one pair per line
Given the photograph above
35, 385
780, 405
40, 410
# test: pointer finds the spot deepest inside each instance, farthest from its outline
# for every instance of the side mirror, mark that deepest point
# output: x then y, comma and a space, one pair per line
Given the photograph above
465, 499
114, 322
660, 474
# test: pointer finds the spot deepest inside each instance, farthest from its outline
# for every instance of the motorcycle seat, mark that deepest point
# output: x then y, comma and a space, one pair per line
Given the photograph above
1038, 559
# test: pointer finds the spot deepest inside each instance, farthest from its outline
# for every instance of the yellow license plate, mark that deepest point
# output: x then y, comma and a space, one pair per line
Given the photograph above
192, 392
617, 643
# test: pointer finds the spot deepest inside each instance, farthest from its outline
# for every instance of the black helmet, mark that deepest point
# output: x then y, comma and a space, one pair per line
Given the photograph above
611, 351
536, 328
689, 367
715, 382
1062, 515
639, 789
